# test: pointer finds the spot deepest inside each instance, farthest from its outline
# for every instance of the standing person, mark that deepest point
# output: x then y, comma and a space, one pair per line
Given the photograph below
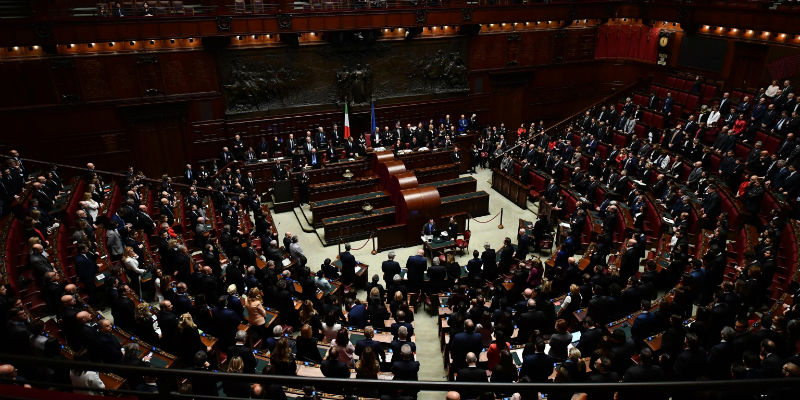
131, 262
348, 266
256, 315
415, 269
390, 268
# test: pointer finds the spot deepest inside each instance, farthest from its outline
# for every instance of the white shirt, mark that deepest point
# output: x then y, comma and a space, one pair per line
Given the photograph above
713, 117
772, 90
91, 208
89, 379
132, 265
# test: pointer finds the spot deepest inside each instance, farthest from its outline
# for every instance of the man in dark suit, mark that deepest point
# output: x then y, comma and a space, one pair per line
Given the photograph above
506, 256
86, 269
722, 355
771, 362
226, 322
225, 157
369, 333
629, 264
108, 346
474, 267
471, 373
402, 339
645, 324
39, 263
489, 258
314, 160
415, 269
463, 343
390, 268
122, 309
429, 229
405, 369
350, 149
644, 370
652, 101
590, 336
241, 349
538, 366
712, 205
348, 266
529, 320
291, 144
168, 322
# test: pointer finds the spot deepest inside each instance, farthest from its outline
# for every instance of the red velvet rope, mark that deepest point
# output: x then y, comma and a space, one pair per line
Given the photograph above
365, 243
486, 222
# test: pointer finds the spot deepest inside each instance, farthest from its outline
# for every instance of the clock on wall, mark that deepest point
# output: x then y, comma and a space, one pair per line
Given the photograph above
664, 45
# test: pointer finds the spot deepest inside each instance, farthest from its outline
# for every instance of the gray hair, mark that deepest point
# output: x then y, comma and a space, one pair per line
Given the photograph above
277, 330
728, 333
240, 336
391, 254
405, 351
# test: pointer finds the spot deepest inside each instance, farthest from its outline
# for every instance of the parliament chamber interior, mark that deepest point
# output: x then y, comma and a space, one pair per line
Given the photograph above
400, 199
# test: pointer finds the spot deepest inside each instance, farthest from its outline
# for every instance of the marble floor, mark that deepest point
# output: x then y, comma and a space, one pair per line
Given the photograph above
426, 326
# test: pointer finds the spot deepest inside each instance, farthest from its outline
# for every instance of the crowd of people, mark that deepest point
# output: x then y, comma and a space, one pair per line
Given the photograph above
186, 260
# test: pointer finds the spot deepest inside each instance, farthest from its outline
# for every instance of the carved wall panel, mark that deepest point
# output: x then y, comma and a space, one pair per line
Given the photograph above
270, 79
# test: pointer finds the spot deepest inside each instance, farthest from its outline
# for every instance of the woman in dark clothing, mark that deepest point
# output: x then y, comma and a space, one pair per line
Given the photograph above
306, 346
505, 370
281, 361
236, 388
189, 341
143, 326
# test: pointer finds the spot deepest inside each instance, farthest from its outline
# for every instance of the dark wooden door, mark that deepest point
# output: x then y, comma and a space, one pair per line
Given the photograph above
748, 65
158, 147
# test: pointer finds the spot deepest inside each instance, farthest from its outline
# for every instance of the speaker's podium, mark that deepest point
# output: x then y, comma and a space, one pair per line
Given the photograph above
283, 196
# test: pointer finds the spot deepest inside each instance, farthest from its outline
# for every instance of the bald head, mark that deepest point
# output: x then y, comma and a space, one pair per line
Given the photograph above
67, 300
420, 252
83, 317
453, 396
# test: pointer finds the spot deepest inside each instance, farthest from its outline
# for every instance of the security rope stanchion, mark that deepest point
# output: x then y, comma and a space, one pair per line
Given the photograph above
373, 245
501, 220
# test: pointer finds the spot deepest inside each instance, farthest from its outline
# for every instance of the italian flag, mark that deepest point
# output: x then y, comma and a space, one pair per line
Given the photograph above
346, 122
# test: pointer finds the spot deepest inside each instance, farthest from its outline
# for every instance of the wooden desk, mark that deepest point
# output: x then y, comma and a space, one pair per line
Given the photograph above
357, 225
362, 271
511, 188
436, 173
347, 205
476, 204
341, 188
452, 187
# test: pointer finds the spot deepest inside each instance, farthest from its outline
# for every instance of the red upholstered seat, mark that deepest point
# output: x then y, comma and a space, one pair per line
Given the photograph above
620, 140
671, 81
677, 110
463, 244
658, 121
680, 97
640, 100
692, 101
708, 92
741, 150
771, 143
647, 118
639, 131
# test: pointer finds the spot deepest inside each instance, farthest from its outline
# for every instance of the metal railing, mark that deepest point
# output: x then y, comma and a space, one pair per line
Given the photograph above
661, 389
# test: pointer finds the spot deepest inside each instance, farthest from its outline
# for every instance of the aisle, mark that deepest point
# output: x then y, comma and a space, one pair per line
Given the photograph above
426, 328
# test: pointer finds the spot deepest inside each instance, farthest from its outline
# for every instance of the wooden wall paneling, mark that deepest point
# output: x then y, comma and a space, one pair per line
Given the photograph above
62, 74
91, 75
149, 75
